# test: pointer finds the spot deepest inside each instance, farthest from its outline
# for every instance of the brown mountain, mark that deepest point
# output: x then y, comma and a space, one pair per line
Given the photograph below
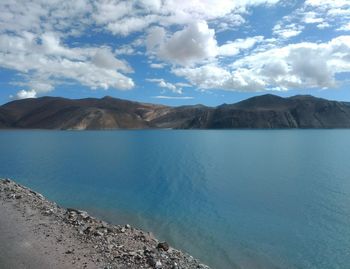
266, 111
89, 113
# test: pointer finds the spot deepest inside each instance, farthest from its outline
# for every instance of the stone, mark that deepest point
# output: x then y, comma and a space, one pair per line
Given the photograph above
133, 249
88, 230
163, 245
151, 261
98, 233
84, 214
48, 212
158, 265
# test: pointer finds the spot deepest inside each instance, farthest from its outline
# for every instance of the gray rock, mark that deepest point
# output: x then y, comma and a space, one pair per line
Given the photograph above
163, 245
158, 265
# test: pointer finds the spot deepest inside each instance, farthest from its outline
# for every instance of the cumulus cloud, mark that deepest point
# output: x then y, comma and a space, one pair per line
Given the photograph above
44, 62
194, 43
302, 65
23, 94
37, 40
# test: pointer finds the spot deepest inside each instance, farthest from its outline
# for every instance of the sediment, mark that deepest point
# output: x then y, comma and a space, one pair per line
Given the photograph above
37, 233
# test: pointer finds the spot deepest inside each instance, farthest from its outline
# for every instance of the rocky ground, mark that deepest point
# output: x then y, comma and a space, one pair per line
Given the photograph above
37, 233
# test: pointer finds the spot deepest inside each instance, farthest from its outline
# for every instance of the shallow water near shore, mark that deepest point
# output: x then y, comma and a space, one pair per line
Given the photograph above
233, 199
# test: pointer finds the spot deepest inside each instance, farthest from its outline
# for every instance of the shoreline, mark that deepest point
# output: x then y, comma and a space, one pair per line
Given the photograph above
37, 233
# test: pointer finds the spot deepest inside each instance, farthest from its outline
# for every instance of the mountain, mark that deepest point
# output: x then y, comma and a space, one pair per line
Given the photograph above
266, 111
89, 113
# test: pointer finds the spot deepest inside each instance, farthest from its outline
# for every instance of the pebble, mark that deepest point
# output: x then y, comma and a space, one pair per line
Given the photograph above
163, 245
158, 265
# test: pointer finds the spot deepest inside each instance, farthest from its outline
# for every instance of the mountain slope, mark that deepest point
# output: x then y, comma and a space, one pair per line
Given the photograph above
266, 111
271, 111
90, 113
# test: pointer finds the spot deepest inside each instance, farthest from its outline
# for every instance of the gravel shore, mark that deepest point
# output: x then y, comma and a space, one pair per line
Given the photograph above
37, 233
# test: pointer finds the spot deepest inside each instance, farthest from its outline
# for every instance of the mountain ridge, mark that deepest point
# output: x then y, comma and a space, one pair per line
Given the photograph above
259, 112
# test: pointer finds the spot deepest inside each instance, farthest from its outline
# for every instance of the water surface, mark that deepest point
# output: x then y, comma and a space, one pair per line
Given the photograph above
234, 199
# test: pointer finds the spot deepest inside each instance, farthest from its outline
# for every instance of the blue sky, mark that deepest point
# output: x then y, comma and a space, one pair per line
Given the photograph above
174, 52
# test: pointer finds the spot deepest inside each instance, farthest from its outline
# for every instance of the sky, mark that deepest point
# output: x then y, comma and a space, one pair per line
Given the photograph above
174, 52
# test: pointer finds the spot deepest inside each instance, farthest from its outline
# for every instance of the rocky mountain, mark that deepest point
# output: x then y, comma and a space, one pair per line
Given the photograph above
89, 113
266, 111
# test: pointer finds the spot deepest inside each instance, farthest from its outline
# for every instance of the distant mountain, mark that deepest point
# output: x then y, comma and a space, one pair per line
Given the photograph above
89, 113
266, 111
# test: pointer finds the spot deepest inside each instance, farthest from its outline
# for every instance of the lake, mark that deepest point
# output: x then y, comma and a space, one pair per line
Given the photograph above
233, 199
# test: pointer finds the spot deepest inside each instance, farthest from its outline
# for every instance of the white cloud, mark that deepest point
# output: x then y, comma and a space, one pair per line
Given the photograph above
235, 47
157, 65
23, 94
34, 41
34, 37
109, 11
295, 66
173, 97
312, 17
193, 44
47, 62
39, 16
125, 50
104, 58
345, 28
127, 25
287, 31
164, 84
229, 22
323, 14
183, 84
205, 77
126, 17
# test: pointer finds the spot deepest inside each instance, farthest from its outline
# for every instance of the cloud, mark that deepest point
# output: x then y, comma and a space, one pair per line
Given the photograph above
35, 37
323, 14
48, 43
127, 25
23, 94
167, 85
312, 17
345, 27
39, 16
44, 61
104, 58
194, 43
157, 65
295, 66
173, 97
126, 17
235, 47
287, 31
205, 77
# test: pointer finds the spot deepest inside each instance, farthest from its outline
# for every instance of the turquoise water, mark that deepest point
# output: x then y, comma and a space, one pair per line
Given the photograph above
234, 199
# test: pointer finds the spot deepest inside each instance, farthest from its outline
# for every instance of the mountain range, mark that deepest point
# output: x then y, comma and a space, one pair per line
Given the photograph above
265, 112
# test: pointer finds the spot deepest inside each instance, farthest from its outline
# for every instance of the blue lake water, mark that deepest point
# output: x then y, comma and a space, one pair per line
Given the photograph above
234, 199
